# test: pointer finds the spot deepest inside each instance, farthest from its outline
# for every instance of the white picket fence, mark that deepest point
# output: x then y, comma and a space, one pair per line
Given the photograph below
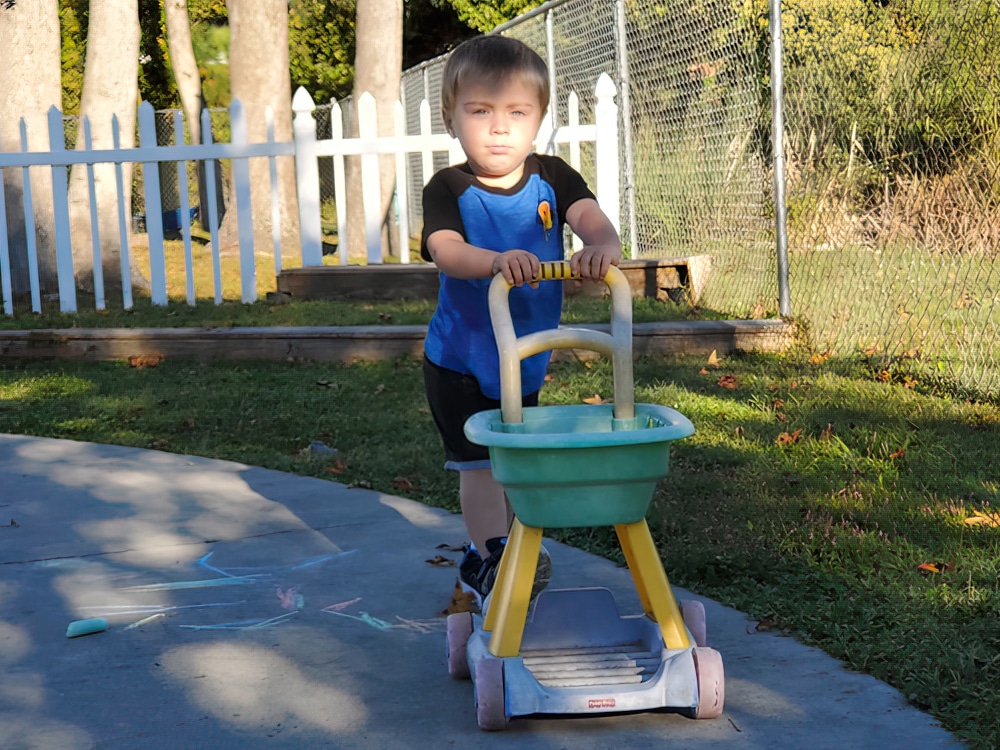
306, 149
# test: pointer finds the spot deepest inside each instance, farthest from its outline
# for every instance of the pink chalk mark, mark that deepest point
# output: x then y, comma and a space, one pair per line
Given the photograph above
289, 598
341, 605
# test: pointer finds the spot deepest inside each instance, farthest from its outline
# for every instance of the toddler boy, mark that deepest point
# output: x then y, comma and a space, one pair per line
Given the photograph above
502, 211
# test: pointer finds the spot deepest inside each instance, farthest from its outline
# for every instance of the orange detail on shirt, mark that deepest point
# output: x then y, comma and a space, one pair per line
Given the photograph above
545, 214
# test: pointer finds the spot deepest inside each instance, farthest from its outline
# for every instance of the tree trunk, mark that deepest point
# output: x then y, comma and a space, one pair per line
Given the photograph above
378, 69
29, 86
259, 77
184, 65
110, 88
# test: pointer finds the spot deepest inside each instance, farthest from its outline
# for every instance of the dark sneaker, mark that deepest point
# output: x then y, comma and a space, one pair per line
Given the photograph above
491, 565
468, 569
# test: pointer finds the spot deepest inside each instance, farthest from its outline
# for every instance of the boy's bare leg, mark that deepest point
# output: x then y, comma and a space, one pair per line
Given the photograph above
484, 507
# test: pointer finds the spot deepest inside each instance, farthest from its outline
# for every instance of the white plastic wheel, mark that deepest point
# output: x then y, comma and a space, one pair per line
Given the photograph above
693, 613
459, 631
711, 683
491, 708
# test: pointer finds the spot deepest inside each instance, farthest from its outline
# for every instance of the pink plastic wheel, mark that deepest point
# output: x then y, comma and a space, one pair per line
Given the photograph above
491, 709
459, 631
711, 683
693, 613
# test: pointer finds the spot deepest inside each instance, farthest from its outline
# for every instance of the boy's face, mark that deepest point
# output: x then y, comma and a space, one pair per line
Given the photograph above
496, 127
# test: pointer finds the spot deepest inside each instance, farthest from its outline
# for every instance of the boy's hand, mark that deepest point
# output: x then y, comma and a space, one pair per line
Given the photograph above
518, 267
593, 261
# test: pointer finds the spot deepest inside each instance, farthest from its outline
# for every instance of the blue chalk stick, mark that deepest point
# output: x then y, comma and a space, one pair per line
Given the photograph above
86, 627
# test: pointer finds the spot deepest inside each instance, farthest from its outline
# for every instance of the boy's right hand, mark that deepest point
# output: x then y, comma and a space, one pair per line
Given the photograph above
518, 267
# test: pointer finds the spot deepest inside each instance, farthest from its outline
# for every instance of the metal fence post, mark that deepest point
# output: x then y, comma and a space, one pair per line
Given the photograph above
625, 123
777, 136
550, 51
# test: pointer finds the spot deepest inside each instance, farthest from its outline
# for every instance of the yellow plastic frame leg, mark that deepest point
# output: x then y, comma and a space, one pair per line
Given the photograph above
511, 595
651, 582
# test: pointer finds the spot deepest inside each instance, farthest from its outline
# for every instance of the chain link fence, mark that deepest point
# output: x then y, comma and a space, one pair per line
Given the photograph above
892, 118
694, 176
892, 125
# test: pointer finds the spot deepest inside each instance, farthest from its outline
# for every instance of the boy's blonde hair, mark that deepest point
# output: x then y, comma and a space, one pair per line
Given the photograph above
493, 61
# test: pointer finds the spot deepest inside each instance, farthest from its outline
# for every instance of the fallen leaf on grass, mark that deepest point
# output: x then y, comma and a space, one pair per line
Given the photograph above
728, 381
869, 351
380, 387
337, 468
402, 484
703, 371
763, 626
385, 317
826, 433
910, 383
898, 454
713, 359
935, 567
440, 561
144, 361
787, 438
461, 601
820, 357
780, 417
595, 399
884, 376
189, 423
978, 518
549, 377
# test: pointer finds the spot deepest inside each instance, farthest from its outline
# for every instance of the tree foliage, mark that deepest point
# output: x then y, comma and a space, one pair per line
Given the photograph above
904, 76
73, 32
321, 46
485, 15
156, 82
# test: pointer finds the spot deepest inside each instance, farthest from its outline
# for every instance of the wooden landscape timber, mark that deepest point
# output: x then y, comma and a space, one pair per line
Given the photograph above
346, 344
675, 279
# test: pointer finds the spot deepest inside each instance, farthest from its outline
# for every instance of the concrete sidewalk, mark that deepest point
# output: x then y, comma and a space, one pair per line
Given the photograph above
125, 534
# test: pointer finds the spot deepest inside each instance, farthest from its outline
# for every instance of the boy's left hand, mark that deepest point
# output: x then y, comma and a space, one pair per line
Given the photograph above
593, 261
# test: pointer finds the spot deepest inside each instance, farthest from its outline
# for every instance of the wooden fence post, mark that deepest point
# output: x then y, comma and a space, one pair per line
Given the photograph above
239, 136
272, 163
60, 199
339, 182
154, 208
29, 221
426, 155
182, 194
307, 178
123, 248
95, 230
213, 205
402, 202
371, 183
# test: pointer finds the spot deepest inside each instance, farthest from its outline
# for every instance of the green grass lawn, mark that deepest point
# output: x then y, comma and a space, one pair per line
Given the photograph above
808, 497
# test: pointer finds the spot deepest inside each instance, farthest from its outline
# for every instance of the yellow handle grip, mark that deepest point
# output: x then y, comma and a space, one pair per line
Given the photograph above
555, 270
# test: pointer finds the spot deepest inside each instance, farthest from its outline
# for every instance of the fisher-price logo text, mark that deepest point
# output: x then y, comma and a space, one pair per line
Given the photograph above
601, 703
